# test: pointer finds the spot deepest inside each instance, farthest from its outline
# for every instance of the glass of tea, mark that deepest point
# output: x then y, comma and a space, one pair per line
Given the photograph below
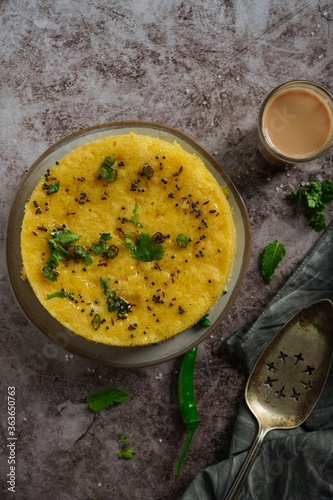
295, 123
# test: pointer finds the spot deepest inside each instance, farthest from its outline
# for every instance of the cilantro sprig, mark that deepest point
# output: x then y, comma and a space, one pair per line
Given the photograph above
272, 255
126, 452
145, 248
314, 199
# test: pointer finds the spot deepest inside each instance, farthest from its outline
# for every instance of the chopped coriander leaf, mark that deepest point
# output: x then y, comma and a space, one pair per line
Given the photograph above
126, 453
80, 252
106, 171
205, 321
59, 244
145, 249
49, 270
105, 236
53, 188
104, 284
98, 248
114, 302
107, 397
111, 252
101, 248
64, 236
272, 255
62, 294
134, 217
182, 240
315, 198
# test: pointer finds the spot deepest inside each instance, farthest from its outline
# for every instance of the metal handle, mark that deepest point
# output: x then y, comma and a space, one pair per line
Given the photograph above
245, 469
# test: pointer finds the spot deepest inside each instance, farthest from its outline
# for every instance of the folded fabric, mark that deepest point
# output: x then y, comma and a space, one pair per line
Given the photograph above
295, 464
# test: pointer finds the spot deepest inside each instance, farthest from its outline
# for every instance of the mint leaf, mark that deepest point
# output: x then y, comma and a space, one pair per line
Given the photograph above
107, 397
272, 255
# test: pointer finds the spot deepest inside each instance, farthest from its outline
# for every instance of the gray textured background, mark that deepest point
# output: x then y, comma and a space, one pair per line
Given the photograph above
201, 67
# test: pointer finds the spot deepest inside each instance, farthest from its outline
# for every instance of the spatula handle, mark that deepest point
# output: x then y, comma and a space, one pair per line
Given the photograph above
243, 473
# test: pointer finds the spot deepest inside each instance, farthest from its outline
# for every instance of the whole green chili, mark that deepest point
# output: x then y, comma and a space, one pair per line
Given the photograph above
186, 401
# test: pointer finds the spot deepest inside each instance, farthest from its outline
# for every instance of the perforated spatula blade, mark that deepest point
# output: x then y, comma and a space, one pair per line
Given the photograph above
289, 377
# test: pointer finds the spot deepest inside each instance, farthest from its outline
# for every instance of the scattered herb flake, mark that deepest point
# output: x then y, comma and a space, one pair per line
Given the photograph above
106, 397
126, 453
204, 322
53, 188
101, 247
62, 294
272, 255
80, 252
134, 217
114, 302
182, 240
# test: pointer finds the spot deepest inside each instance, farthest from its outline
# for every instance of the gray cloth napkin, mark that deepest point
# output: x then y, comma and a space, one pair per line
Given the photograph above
295, 464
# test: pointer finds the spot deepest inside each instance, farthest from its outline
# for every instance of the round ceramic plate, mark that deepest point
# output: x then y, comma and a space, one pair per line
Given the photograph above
124, 357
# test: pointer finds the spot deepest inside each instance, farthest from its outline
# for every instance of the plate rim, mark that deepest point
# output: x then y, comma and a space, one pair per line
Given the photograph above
12, 223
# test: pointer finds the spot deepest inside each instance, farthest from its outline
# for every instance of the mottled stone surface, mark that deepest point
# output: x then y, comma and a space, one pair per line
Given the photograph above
201, 67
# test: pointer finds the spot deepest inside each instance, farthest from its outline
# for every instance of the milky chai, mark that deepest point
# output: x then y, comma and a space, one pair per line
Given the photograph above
297, 123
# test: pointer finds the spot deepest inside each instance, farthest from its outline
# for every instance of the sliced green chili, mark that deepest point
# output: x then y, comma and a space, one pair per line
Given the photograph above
96, 321
186, 401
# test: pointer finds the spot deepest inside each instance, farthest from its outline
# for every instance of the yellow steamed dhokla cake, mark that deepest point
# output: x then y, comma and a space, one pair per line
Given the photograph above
128, 240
